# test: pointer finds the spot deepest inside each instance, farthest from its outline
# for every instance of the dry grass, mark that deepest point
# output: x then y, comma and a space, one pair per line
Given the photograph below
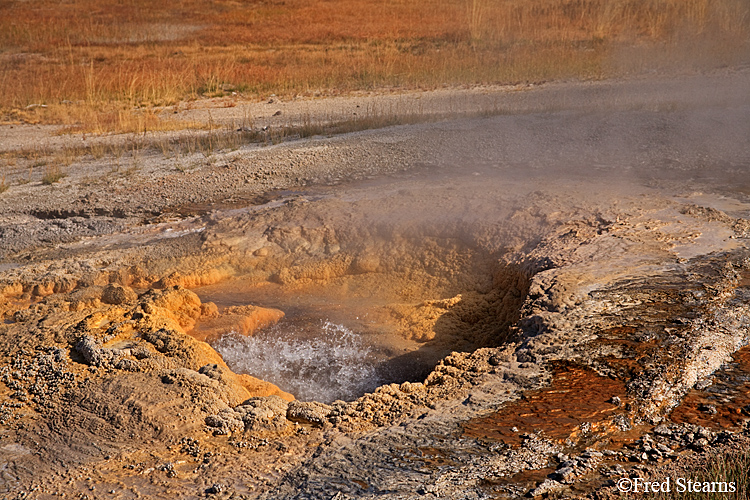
727, 467
52, 175
104, 65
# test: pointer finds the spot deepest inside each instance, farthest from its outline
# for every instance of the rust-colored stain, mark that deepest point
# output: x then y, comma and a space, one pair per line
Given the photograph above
528, 479
576, 395
630, 363
433, 457
728, 397
361, 484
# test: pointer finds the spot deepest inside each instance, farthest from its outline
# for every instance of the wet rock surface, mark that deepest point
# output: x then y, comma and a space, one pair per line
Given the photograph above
564, 314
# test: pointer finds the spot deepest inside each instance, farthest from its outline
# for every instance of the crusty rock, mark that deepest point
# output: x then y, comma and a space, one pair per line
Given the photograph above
264, 413
118, 294
178, 304
308, 412
547, 486
227, 421
95, 355
209, 310
257, 414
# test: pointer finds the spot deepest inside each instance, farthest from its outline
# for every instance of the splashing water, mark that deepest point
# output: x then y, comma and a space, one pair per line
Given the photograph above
321, 362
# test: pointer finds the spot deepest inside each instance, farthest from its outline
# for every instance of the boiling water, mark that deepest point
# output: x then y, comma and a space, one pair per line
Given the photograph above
320, 361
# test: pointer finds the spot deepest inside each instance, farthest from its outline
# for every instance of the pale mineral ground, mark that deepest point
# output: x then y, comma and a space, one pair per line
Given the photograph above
541, 294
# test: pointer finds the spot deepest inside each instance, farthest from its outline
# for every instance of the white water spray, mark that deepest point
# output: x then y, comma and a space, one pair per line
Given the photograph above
321, 362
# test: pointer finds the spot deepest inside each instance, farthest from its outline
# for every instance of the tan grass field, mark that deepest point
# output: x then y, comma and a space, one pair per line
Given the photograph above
103, 66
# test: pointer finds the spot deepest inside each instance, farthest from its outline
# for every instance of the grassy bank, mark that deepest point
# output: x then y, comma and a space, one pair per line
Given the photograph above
95, 62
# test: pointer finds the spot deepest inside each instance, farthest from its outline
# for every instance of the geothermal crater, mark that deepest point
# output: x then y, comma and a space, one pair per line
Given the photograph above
374, 288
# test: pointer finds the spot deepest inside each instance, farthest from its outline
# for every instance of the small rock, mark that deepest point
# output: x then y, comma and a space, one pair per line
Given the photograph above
117, 294
547, 486
706, 408
700, 444
622, 422
704, 384
704, 433
662, 430
664, 448
215, 489
410, 387
309, 412
564, 475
